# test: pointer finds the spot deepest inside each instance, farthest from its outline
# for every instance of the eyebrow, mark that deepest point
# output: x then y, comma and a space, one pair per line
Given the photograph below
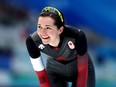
46, 25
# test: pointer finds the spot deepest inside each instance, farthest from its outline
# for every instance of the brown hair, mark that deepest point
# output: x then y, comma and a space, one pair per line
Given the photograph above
57, 19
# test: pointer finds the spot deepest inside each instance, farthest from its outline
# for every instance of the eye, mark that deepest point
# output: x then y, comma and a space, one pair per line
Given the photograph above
39, 27
48, 28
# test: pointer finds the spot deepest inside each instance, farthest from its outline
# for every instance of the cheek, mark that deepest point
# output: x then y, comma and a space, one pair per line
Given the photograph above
53, 34
38, 33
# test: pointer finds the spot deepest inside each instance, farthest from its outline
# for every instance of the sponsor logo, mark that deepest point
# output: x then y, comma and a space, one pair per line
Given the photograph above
71, 45
41, 46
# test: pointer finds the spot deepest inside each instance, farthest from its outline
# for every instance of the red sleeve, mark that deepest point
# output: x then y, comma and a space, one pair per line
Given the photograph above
38, 67
43, 78
82, 66
37, 63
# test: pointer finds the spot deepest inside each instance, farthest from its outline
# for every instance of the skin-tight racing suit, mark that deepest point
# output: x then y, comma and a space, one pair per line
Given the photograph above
69, 62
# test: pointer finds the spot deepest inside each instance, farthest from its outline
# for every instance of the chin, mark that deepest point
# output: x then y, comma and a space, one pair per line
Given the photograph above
45, 42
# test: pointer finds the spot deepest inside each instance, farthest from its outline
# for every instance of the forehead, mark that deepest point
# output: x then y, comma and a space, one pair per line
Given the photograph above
45, 21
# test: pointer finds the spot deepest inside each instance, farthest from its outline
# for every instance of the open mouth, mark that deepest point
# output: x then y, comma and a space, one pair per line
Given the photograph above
45, 37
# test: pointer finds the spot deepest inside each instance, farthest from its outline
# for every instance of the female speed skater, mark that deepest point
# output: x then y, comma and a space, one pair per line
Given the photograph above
66, 48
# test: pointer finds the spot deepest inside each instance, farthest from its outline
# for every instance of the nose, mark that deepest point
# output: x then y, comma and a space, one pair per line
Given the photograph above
43, 31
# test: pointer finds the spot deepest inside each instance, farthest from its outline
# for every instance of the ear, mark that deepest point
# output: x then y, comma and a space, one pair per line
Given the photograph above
61, 30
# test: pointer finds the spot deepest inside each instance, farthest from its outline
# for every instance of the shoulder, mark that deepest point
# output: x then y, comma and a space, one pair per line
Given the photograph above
35, 37
73, 31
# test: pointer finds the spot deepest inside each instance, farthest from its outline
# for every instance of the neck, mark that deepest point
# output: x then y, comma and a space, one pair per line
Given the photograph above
55, 43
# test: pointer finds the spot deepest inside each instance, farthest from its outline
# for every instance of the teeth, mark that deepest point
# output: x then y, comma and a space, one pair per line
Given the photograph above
45, 37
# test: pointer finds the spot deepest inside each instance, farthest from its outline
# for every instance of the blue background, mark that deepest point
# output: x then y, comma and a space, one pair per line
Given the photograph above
18, 18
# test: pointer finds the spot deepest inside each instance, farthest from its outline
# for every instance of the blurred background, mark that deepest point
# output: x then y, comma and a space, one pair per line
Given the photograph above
18, 19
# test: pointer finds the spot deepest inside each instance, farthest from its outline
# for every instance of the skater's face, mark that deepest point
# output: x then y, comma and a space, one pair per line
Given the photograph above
47, 31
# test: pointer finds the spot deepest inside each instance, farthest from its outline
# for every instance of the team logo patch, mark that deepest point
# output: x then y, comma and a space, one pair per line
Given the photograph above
71, 45
41, 46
